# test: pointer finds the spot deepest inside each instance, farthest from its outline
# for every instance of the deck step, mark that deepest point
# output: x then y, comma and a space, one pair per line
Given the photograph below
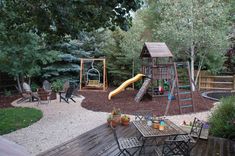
183, 93
186, 106
186, 99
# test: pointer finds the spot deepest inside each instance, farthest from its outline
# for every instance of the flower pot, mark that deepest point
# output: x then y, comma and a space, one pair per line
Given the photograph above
117, 118
112, 122
125, 122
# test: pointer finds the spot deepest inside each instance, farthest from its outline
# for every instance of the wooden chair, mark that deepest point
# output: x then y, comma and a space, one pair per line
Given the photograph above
194, 133
174, 147
68, 94
125, 145
27, 94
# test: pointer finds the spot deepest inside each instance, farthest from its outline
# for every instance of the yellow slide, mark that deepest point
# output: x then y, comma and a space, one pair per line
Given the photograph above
124, 85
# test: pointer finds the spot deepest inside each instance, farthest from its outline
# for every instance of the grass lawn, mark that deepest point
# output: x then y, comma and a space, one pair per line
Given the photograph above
12, 119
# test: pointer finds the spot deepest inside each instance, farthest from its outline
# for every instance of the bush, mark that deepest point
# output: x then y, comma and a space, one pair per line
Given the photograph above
57, 85
222, 118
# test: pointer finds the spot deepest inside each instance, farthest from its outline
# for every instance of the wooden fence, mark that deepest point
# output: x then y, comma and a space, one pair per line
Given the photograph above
211, 82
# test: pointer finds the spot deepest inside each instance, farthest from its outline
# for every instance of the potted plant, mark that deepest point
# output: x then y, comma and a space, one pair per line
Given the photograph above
125, 120
111, 121
116, 114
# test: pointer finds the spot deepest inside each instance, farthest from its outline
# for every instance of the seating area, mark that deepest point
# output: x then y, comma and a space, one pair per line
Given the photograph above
101, 142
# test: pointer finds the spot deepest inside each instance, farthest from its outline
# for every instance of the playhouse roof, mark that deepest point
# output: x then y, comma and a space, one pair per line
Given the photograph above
155, 49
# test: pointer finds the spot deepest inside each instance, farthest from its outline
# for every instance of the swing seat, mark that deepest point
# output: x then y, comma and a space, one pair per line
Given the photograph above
93, 83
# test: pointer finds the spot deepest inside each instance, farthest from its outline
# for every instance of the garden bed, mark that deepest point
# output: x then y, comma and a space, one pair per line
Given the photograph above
98, 101
5, 101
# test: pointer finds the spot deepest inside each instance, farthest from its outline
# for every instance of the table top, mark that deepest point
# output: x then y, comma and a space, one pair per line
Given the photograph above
148, 131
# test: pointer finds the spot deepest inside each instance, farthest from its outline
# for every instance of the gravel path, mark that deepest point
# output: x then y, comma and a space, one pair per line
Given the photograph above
62, 122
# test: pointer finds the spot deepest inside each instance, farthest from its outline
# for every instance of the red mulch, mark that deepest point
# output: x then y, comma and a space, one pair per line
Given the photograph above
5, 101
98, 101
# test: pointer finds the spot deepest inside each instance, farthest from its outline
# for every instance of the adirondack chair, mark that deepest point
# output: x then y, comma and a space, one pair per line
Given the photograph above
27, 94
68, 94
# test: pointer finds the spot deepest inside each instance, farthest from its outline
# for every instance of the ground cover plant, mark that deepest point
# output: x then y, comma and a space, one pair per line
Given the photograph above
12, 119
223, 117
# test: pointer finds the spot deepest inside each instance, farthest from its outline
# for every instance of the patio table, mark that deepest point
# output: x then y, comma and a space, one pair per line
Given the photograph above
148, 132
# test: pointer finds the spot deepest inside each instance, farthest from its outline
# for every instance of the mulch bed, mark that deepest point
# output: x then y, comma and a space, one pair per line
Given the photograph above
5, 101
98, 101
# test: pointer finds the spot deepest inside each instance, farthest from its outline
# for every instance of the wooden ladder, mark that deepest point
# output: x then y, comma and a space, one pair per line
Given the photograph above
185, 97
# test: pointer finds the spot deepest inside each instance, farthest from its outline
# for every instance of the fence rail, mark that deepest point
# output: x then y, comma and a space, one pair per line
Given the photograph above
210, 82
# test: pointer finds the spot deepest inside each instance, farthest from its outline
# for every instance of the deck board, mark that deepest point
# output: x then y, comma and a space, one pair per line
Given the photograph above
100, 142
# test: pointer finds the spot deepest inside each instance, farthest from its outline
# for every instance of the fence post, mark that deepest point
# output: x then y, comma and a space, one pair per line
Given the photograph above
233, 82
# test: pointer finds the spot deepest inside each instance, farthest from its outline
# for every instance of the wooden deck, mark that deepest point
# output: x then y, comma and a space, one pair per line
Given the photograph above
100, 142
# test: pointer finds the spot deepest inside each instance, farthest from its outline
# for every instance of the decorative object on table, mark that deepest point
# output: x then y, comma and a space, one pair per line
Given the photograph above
161, 125
125, 120
156, 124
187, 126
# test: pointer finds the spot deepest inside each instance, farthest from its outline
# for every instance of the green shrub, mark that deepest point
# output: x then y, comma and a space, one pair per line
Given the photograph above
34, 87
222, 117
7, 92
57, 85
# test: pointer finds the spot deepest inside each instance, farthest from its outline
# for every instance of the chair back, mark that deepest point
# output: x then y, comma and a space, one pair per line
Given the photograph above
143, 114
176, 147
70, 91
115, 136
46, 86
26, 87
196, 128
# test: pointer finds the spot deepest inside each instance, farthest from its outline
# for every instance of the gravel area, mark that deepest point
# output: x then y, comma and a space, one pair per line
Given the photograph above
62, 122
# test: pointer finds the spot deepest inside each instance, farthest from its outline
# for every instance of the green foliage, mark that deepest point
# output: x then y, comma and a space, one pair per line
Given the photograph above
57, 85
222, 117
34, 87
194, 30
12, 119
7, 92
122, 51
58, 18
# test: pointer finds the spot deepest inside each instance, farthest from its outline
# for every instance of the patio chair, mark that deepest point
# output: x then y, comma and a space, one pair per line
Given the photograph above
173, 147
195, 132
47, 88
68, 94
126, 145
143, 114
27, 94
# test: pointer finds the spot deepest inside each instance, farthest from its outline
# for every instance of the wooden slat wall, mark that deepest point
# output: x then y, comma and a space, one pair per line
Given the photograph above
211, 82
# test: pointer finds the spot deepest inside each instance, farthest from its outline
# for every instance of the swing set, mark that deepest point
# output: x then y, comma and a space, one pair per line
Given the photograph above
92, 78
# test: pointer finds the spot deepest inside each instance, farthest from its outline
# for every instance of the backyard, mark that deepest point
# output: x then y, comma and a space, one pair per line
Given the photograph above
137, 77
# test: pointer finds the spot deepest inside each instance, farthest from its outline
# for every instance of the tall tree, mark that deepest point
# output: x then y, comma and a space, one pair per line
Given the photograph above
195, 29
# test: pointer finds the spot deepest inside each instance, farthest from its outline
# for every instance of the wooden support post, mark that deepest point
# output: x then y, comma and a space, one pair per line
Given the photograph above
233, 82
104, 75
81, 73
199, 81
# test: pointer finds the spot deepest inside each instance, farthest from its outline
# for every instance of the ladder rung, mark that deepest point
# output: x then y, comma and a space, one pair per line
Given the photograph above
184, 86
182, 93
187, 99
186, 106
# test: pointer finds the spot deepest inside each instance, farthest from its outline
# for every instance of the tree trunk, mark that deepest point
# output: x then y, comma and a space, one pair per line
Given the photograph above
18, 83
192, 65
133, 72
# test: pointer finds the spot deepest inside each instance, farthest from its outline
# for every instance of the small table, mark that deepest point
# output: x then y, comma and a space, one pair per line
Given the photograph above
148, 132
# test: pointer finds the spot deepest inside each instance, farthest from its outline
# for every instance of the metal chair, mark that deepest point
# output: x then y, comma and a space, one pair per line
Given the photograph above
143, 114
127, 144
174, 147
194, 133
68, 94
